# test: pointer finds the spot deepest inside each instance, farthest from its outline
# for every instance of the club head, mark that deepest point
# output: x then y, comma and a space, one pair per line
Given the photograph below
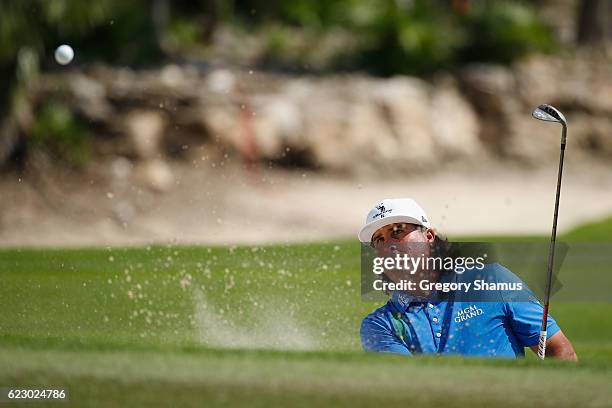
549, 113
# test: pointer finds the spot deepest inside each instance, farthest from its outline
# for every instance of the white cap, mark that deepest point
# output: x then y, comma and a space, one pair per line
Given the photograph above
391, 211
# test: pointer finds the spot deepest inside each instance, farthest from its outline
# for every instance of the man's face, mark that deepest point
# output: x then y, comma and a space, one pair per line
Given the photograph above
408, 239
401, 233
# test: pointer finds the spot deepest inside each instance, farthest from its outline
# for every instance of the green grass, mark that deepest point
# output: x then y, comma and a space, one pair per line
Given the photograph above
208, 377
600, 231
261, 326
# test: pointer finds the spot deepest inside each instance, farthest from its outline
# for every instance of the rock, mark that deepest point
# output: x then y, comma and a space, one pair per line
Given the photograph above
323, 132
405, 104
592, 136
532, 141
341, 131
348, 123
155, 174
221, 81
222, 122
91, 97
491, 81
275, 123
271, 122
505, 122
538, 80
369, 143
121, 168
455, 127
145, 130
537, 143
287, 118
172, 76
578, 83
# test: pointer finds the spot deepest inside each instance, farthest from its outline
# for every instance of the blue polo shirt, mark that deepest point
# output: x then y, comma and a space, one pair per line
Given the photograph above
499, 324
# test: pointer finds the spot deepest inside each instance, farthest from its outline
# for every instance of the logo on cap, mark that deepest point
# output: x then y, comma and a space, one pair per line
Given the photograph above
423, 219
382, 210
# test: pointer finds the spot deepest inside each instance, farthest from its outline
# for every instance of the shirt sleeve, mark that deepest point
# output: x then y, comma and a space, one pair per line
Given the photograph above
526, 321
377, 336
523, 310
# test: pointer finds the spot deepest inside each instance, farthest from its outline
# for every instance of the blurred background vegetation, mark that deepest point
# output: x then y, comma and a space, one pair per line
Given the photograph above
379, 37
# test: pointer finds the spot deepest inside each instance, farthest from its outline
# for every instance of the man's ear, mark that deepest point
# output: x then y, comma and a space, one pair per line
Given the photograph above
430, 235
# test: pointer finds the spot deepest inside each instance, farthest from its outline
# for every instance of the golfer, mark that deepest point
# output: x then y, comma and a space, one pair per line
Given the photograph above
412, 323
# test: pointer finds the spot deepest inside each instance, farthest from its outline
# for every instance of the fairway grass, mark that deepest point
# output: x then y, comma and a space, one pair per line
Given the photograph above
251, 378
252, 326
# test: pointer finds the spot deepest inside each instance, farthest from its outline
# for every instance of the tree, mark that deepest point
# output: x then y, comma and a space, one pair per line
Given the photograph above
594, 22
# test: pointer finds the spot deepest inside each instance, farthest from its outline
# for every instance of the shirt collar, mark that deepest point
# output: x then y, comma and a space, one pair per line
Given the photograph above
403, 300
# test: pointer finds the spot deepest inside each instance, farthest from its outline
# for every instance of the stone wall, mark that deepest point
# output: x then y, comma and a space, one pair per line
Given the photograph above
346, 123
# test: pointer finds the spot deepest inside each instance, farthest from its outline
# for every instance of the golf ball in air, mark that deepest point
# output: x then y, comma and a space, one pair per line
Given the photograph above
64, 54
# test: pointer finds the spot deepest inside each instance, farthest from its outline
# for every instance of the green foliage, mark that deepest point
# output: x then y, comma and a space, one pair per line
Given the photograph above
126, 36
384, 37
56, 130
599, 231
109, 30
406, 37
391, 37
278, 45
312, 14
104, 30
40, 23
504, 31
184, 32
289, 47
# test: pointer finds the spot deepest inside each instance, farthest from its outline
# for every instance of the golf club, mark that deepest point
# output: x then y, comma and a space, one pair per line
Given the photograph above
549, 113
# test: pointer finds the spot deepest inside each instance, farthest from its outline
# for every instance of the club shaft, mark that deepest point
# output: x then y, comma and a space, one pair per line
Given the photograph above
551, 252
